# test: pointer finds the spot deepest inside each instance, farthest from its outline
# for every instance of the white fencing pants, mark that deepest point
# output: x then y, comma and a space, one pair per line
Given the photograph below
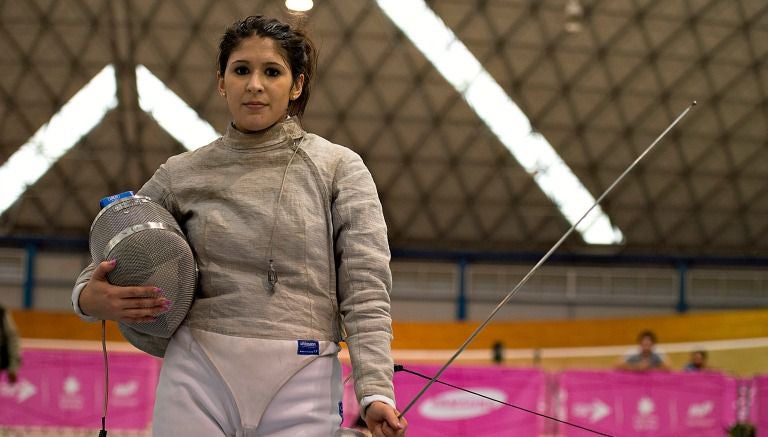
216, 385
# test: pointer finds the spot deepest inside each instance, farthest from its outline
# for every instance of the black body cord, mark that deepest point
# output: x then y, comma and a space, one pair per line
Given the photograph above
103, 431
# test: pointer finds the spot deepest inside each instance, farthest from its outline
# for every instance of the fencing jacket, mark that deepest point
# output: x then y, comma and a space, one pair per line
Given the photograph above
293, 201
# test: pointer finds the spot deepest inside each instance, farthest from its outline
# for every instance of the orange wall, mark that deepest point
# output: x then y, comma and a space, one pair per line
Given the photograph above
449, 335
593, 332
61, 326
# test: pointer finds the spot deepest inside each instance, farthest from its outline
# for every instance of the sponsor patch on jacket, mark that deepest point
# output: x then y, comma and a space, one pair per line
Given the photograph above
309, 347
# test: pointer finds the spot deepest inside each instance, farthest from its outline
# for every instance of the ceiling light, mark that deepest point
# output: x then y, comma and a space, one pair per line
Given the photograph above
502, 116
574, 16
299, 5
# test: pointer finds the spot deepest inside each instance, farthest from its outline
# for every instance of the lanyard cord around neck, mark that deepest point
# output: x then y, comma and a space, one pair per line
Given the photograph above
272, 273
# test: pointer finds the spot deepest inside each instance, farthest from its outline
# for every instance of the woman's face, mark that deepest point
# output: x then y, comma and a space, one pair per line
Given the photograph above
646, 345
258, 84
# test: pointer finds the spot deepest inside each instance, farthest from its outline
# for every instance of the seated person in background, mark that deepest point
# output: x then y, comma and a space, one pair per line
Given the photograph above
698, 361
647, 358
10, 354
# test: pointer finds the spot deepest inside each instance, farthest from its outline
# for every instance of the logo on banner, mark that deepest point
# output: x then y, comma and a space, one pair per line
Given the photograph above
698, 411
700, 415
594, 411
21, 391
125, 394
645, 419
71, 399
129, 388
458, 405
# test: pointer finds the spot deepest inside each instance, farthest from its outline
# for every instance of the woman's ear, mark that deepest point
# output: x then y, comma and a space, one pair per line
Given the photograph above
298, 86
220, 84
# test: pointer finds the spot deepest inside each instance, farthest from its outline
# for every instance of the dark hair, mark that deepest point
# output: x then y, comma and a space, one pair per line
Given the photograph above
702, 352
647, 333
296, 47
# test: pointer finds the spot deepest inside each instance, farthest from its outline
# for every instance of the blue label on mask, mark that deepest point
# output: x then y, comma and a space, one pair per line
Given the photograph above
106, 201
309, 347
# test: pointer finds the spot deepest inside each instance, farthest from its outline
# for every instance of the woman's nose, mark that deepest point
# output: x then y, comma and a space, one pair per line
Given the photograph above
254, 84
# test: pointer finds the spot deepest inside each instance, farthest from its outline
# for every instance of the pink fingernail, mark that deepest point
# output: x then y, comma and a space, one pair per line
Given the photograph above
112, 262
157, 290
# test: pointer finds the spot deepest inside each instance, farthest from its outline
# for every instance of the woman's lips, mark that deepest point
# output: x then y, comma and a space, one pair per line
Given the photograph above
255, 105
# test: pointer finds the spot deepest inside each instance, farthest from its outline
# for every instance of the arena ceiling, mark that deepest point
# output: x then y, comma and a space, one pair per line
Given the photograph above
598, 93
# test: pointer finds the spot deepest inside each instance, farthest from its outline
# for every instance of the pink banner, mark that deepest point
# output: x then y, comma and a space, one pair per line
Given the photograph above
648, 404
446, 411
66, 388
759, 401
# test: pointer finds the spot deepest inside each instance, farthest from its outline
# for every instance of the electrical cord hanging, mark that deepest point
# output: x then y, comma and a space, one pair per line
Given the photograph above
103, 431
400, 368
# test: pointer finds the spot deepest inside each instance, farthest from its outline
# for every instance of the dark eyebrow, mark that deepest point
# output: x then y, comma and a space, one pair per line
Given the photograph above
275, 64
266, 64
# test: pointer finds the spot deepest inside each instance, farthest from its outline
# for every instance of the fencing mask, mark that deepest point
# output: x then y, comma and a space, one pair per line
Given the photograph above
150, 249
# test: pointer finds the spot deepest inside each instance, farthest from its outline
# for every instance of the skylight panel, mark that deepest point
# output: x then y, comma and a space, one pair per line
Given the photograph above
171, 112
72, 122
503, 117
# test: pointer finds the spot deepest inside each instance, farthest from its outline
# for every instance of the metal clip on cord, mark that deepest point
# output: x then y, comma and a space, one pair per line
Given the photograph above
272, 274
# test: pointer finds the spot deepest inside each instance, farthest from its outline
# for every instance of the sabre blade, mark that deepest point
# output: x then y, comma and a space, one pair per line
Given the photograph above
545, 258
